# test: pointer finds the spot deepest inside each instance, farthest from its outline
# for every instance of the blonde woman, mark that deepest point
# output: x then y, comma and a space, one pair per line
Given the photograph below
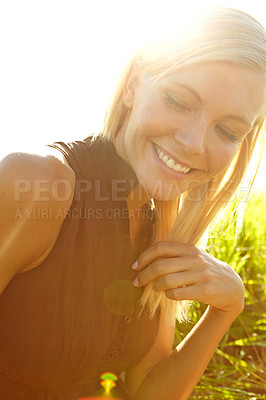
100, 238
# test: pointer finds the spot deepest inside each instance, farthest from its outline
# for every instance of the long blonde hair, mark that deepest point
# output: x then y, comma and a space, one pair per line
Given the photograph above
223, 34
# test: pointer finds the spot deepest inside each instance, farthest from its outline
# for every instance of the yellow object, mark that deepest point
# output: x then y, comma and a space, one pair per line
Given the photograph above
108, 381
108, 384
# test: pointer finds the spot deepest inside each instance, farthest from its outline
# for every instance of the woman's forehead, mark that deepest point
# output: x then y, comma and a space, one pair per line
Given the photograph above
204, 71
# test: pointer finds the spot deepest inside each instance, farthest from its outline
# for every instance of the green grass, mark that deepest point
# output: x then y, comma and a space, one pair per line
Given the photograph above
238, 367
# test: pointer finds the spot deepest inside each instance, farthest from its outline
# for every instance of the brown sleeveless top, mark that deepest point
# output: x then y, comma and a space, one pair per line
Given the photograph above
74, 317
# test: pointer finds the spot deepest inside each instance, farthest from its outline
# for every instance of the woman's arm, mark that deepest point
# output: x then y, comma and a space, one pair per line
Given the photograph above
29, 209
160, 350
184, 272
176, 376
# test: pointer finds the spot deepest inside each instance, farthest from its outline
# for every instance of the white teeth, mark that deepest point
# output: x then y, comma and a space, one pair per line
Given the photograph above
177, 167
170, 162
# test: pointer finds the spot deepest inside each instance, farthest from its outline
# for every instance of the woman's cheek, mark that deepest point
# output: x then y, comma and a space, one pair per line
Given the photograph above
222, 155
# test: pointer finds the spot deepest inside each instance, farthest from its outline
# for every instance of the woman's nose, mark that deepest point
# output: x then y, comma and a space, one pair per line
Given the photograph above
192, 136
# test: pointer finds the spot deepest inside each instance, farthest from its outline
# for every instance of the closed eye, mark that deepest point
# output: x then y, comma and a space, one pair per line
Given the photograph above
174, 103
227, 134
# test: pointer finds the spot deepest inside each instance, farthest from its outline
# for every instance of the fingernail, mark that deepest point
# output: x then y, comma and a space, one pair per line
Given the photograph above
136, 282
135, 265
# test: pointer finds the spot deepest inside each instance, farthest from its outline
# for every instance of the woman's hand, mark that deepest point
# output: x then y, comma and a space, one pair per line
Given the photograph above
185, 272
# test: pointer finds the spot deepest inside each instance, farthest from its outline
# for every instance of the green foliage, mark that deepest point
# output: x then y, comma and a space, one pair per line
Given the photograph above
238, 368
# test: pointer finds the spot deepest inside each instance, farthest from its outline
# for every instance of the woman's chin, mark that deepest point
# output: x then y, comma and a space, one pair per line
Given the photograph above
161, 191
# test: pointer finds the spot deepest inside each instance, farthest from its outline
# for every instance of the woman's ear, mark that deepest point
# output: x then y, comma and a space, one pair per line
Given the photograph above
130, 87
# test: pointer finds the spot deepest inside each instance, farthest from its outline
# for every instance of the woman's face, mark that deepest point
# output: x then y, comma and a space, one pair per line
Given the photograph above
187, 127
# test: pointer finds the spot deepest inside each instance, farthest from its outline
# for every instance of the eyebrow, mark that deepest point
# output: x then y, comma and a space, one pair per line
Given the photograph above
240, 119
189, 89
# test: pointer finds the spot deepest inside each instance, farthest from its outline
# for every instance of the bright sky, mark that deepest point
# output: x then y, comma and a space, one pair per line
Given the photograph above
60, 60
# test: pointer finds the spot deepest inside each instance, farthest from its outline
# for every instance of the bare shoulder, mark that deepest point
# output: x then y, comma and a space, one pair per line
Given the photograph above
160, 350
34, 187
45, 158
42, 177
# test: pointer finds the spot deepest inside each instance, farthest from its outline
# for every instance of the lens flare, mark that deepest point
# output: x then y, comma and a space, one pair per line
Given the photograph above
108, 381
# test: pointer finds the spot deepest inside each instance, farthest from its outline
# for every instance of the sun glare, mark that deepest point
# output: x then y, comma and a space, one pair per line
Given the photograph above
61, 60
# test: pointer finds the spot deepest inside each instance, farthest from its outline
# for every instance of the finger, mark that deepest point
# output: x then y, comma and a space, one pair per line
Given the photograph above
163, 250
174, 281
164, 266
192, 292
159, 268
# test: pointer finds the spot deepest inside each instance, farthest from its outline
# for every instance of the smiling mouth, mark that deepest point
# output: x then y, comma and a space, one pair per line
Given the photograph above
170, 162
